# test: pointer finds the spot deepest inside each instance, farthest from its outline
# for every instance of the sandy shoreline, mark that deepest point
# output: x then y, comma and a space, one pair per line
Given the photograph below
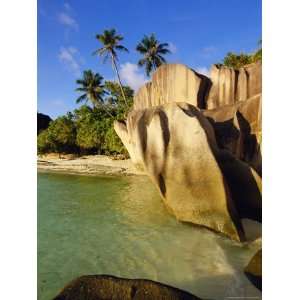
86, 165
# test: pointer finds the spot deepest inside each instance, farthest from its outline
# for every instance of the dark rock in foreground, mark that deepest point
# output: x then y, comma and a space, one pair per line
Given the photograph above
253, 270
100, 287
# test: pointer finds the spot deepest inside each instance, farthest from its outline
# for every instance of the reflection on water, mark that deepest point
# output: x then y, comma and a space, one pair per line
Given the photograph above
119, 226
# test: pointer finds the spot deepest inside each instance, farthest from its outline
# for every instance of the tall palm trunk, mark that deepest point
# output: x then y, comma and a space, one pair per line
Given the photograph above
97, 104
117, 72
106, 110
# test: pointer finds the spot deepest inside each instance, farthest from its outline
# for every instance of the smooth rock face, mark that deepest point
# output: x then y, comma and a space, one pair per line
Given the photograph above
178, 83
233, 85
173, 83
175, 144
254, 269
206, 164
103, 287
238, 129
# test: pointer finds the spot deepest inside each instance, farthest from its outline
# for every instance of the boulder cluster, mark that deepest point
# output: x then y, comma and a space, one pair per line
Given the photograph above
199, 140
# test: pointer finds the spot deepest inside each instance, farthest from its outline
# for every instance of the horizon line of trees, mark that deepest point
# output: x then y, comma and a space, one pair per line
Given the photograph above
89, 129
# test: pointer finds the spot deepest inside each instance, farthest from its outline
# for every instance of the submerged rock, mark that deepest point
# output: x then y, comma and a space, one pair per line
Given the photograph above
175, 144
103, 287
253, 270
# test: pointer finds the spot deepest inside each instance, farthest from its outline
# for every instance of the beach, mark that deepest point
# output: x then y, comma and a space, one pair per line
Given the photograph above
86, 165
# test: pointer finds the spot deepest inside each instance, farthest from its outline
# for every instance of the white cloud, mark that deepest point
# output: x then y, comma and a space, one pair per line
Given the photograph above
172, 47
208, 51
132, 75
69, 56
203, 70
58, 102
67, 20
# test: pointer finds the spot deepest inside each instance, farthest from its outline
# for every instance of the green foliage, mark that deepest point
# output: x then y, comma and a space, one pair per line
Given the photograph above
59, 137
44, 144
95, 132
115, 98
89, 130
91, 127
152, 51
92, 88
257, 55
110, 42
239, 60
113, 143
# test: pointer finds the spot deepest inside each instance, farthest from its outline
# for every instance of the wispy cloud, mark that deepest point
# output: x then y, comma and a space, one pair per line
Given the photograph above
65, 18
132, 75
67, 6
71, 59
202, 70
58, 103
172, 47
208, 51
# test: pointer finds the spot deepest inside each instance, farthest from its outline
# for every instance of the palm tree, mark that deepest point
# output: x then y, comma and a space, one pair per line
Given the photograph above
92, 88
111, 44
152, 51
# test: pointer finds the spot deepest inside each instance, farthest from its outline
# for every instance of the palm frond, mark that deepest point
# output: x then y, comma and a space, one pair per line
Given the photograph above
152, 51
81, 98
142, 61
122, 48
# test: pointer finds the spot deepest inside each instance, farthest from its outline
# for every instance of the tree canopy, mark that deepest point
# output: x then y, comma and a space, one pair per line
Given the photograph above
239, 60
110, 41
153, 53
92, 88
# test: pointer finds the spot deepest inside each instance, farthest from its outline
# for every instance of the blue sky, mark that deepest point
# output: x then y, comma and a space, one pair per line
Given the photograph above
200, 33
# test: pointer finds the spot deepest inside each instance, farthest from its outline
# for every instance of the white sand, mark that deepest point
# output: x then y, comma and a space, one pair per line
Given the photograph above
89, 165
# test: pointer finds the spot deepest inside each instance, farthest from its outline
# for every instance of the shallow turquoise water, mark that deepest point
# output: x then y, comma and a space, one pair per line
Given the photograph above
119, 226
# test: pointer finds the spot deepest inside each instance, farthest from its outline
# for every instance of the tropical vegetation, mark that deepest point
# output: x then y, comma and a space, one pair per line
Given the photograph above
153, 53
239, 60
89, 128
110, 41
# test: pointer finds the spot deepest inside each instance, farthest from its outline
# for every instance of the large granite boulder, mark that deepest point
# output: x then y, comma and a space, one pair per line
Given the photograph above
238, 129
233, 85
178, 83
199, 183
103, 287
253, 270
173, 83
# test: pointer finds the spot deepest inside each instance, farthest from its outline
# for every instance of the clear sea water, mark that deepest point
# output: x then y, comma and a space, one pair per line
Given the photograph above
119, 226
